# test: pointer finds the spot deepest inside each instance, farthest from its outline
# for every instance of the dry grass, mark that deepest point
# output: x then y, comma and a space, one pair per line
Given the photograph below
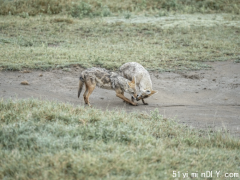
98, 7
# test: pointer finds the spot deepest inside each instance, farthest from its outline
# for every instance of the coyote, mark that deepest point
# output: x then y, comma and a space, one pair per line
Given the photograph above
142, 79
106, 80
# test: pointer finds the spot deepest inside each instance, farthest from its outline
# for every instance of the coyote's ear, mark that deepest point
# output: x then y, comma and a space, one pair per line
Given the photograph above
132, 85
154, 92
133, 80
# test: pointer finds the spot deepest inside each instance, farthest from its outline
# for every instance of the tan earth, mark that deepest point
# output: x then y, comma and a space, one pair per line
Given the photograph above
201, 99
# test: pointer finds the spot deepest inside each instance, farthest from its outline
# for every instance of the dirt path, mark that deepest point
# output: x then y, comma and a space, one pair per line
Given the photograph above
202, 99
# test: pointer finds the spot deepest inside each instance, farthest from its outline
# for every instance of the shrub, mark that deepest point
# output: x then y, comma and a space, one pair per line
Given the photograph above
81, 10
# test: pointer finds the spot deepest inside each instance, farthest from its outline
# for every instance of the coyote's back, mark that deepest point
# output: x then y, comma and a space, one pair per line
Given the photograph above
107, 80
143, 79
94, 76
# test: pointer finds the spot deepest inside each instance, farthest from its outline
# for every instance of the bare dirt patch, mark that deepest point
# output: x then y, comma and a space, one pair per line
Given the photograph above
184, 20
200, 99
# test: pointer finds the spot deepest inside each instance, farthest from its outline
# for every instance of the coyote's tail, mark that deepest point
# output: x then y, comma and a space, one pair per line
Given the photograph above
81, 82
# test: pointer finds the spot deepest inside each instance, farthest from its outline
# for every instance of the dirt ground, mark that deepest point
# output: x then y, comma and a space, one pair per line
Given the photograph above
199, 99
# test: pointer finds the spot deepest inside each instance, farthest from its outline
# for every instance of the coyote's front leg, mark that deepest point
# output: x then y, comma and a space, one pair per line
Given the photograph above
144, 102
120, 95
132, 98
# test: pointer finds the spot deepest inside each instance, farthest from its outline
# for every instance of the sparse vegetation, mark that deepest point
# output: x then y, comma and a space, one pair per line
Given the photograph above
127, 15
47, 140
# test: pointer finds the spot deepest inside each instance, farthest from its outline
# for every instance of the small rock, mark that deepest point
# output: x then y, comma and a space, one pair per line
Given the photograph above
24, 83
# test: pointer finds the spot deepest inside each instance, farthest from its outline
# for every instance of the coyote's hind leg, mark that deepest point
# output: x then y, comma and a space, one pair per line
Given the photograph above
85, 93
91, 87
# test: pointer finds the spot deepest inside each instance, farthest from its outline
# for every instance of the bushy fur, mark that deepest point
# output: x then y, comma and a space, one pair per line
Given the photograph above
105, 79
142, 79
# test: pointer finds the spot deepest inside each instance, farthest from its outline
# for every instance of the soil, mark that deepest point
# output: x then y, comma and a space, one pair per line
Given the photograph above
205, 99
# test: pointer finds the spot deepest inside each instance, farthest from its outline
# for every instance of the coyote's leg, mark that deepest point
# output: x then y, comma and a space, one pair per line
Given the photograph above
85, 93
90, 90
144, 102
123, 95
132, 98
120, 95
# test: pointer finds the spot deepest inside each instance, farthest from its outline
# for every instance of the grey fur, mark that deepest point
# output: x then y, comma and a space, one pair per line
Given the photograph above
134, 69
105, 80
142, 79
98, 76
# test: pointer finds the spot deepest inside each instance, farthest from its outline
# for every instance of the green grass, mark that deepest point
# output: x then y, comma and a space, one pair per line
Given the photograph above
47, 140
57, 41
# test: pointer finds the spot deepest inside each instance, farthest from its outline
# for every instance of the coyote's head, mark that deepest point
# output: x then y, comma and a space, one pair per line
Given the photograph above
145, 94
131, 88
